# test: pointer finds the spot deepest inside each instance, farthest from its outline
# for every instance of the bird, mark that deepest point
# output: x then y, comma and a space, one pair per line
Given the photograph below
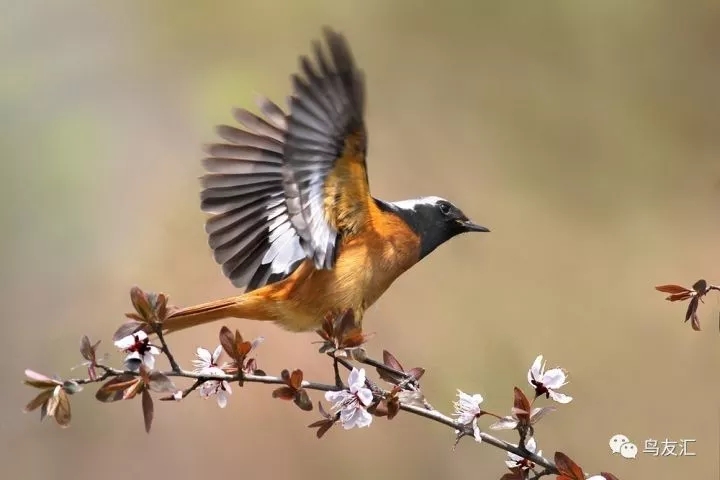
291, 218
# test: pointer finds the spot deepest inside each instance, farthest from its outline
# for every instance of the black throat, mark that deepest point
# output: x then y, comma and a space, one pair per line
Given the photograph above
427, 223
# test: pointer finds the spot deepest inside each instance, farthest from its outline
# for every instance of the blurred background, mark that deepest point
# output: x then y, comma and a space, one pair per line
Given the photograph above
584, 134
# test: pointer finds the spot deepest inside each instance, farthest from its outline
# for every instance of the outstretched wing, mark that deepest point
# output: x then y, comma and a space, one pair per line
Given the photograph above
325, 178
250, 231
287, 187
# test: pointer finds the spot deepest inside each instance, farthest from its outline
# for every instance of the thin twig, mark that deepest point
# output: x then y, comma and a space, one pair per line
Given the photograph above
487, 438
541, 473
157, 326
424, 412
246, 377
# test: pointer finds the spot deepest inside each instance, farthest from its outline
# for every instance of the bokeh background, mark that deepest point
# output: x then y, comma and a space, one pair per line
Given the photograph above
584, 134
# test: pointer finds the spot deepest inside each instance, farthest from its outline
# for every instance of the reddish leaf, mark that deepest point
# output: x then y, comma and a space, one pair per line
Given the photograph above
159, 382
393, 407
323, 412
38, 380
392, 362
285, 393
112, 390
417, 372
159, 304
38, 401
227, 340
609, 476
323, 426
296, 379
127, 328
302, 400
521, 406
673, 289
516, 473
87, 350
568, 468
62, 409
700, 286
148, 409
141, 303
135, 388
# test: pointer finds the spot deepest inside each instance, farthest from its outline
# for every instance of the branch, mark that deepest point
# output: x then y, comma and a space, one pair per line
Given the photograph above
353, 405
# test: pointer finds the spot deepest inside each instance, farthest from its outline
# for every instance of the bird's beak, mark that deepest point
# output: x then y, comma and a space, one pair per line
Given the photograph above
474, 227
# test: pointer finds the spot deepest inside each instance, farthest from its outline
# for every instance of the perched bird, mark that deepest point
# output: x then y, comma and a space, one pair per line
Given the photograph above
292, 219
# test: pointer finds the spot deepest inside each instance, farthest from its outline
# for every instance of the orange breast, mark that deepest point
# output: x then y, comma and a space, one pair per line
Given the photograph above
367, 264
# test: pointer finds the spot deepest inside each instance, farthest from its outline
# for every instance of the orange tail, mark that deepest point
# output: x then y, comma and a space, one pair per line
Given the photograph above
235, 307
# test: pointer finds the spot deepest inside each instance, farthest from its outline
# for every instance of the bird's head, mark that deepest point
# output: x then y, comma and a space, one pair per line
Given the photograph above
435, 220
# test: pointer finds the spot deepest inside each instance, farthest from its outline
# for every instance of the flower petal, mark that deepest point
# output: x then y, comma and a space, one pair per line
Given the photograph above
356, 379
204, 356
125, 342
554, 378
337, 397
149, 360
531, 444
505, 423
226, 386
535, 370
476, 432
222, 399
355, 417
365, 396
216, 354
560, 397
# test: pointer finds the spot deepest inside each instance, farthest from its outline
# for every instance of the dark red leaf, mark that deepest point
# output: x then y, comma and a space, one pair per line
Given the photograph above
700, 286
148, 409
521, 405
38, 401
392, 362
296, 378
62, 410
227, 340
678, 297
87, 350
159, 382
324, 426
38, 380
112, 390
323, 412
127, 328
567, 467
141, 303
285, 393
302, 400
393, 407
516, 473
673, 289
159, 304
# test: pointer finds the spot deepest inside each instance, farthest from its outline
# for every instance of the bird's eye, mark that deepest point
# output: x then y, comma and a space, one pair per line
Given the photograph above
444, 208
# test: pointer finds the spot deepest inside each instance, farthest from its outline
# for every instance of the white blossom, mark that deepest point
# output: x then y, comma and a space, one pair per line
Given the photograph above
352, 403
206, 363
139, 350
467, 410
518, 461
548, 382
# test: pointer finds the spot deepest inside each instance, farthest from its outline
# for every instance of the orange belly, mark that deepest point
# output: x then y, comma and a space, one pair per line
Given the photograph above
367, 264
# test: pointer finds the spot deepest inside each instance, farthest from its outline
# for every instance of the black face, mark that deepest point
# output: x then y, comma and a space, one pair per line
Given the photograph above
434, 219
